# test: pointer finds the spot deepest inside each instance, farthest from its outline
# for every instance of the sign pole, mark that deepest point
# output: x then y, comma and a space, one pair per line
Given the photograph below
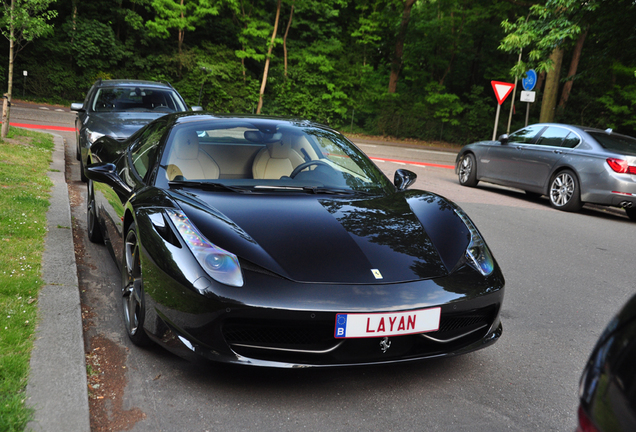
512, 105
494, 132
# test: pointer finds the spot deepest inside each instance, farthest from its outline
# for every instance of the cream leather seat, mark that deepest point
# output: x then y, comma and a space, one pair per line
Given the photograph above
276, 160
187, 160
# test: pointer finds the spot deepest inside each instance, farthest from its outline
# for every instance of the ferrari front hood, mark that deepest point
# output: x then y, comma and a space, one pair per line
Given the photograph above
321, 240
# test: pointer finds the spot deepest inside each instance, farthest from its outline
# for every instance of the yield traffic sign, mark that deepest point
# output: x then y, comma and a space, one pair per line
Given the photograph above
502, 90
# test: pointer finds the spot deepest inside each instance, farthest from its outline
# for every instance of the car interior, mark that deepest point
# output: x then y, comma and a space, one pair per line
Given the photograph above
208, 155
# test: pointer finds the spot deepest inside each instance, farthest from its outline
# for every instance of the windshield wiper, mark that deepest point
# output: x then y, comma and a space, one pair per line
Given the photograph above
309, 189
206, 185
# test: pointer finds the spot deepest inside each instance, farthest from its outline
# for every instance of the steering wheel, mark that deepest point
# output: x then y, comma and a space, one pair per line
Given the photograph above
304, 165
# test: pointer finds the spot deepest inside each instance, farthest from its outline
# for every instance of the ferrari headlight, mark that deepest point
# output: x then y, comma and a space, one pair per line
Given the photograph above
93, 136
477, 253
220, 264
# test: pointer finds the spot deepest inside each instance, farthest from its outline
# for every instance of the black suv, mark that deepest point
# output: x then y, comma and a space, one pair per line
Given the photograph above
118, 108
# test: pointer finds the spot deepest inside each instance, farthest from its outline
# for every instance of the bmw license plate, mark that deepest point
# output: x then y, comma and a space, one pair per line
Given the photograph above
365, 325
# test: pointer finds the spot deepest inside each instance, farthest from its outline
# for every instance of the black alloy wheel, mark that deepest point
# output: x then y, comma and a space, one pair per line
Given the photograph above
467, 171
133, 291
565, 193
92, 224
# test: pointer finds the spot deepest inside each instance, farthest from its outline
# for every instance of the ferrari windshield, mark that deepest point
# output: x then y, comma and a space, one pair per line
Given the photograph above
267, 155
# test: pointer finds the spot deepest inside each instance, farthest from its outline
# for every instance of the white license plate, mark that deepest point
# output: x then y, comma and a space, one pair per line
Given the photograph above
364, 325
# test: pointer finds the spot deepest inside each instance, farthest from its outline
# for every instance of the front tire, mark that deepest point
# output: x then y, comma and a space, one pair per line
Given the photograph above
133, 290
92, 223
565, 193
467, 171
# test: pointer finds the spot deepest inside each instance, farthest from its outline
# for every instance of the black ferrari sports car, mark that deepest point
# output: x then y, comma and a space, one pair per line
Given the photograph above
276, 242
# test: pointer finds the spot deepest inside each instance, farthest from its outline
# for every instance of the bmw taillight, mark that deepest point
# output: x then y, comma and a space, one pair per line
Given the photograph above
621, 166
585, 424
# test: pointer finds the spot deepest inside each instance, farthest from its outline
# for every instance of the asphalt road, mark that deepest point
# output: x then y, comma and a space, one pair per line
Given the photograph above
566, 275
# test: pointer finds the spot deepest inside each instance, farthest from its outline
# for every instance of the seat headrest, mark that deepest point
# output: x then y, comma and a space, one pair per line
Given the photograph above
280, 149
186, 144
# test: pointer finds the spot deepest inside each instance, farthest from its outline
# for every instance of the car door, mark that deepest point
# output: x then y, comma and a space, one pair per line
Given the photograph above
503, 162
539, 157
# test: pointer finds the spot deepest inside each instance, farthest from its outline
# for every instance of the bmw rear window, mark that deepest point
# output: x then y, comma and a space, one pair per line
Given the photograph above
617, 143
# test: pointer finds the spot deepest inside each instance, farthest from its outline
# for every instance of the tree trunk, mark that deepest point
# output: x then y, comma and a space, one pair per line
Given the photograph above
574, 64
396, 63
6, 104
269, 53
291, 14
551, 87
181, 36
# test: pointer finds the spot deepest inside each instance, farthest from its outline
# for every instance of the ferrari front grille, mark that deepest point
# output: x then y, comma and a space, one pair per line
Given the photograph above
280, 335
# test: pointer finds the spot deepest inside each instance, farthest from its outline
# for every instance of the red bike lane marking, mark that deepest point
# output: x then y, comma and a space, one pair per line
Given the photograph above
47, 127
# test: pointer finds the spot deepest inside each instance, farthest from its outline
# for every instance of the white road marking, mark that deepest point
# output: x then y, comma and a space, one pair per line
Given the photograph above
428, 151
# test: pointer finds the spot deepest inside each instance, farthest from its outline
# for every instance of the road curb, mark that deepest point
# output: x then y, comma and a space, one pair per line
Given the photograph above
57, 388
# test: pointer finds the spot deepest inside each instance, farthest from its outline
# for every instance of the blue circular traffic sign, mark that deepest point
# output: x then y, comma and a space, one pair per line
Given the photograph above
530, 80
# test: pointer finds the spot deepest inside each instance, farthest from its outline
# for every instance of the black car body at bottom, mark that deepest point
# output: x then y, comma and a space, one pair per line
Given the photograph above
608, 384
304, 258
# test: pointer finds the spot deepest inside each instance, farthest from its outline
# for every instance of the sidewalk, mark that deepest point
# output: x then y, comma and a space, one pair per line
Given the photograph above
57, 387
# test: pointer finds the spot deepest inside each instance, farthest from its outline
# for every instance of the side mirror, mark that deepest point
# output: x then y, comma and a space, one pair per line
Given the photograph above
77, 106
503, 139
107, 173
403, 179
196, 108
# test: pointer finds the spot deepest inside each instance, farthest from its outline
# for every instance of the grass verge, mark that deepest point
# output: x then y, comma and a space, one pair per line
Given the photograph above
25, 157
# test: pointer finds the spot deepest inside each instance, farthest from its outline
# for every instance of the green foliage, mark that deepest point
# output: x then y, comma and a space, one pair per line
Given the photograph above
546, 27
478, 117
23, 207
26, 20
339, 55
619, 103
214, 80
179, 15
442, 106
94, 45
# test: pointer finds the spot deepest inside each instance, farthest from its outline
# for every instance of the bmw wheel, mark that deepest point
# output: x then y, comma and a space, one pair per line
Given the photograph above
564, 191
92, 224
133, 291
467, 171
